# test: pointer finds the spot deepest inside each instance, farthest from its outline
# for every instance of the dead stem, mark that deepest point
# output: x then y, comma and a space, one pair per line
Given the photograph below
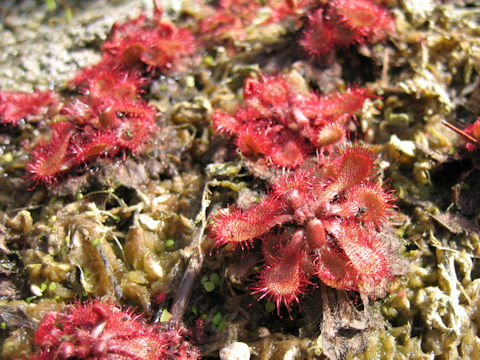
184, 292
461, 133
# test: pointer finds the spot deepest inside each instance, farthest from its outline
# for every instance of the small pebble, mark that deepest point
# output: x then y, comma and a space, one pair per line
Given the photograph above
235, 351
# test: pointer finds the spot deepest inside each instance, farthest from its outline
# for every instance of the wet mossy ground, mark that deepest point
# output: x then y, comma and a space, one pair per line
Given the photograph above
129, 229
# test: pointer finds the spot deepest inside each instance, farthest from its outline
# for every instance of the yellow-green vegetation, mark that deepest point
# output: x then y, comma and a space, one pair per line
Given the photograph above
129, 229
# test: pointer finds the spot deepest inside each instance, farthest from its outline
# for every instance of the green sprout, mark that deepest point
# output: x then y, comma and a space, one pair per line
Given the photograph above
210, 282
218, 321
43, 287
166, 316
269, 306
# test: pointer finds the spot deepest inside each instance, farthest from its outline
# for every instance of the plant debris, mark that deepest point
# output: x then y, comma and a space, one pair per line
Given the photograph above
236, 99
